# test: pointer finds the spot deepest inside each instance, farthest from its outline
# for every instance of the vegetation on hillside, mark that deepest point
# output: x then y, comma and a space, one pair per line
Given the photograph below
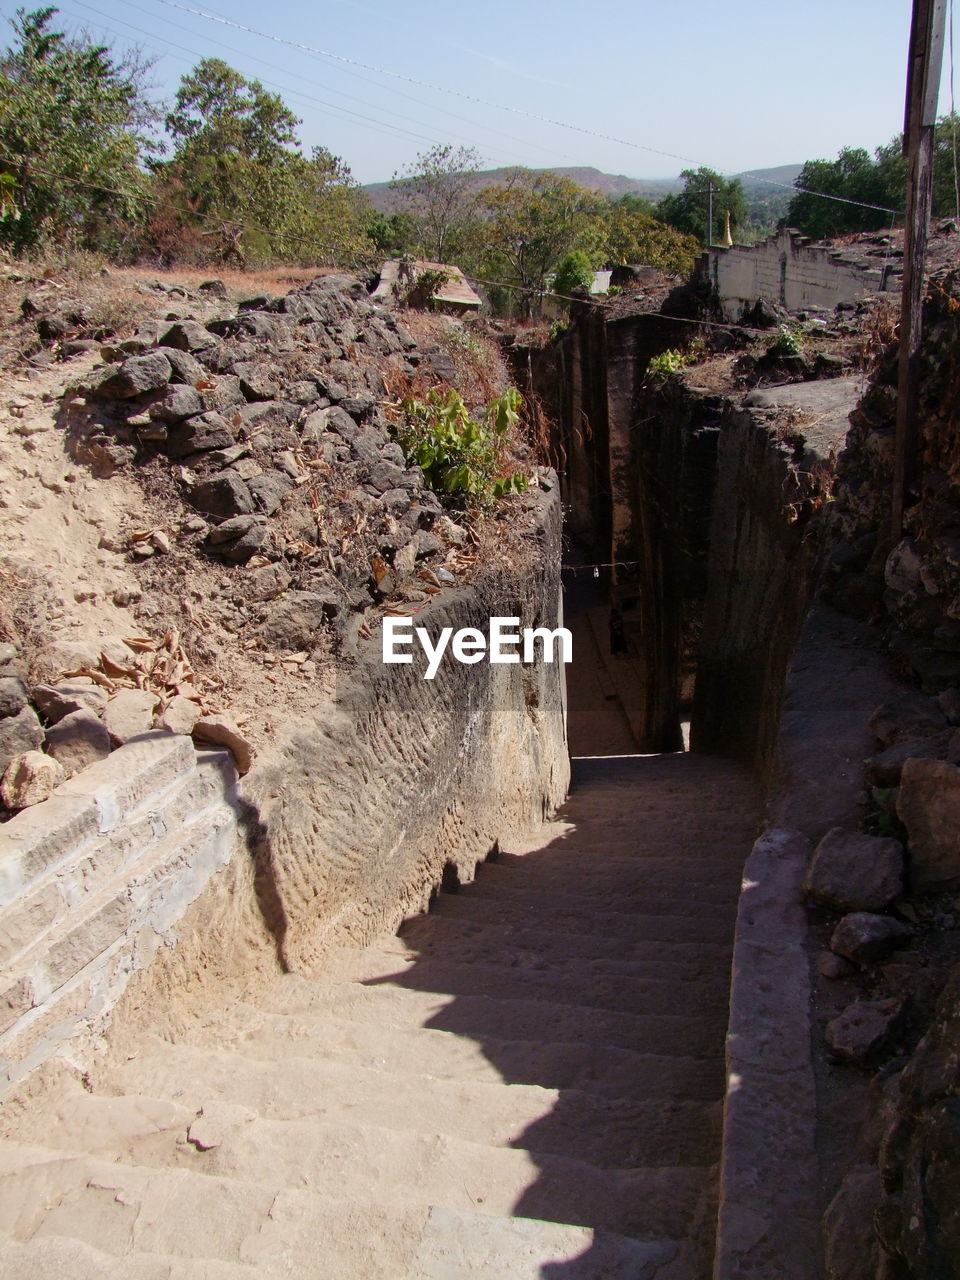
877, 180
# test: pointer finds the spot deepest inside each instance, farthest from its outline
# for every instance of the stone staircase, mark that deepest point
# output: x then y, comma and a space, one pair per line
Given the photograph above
526, 1083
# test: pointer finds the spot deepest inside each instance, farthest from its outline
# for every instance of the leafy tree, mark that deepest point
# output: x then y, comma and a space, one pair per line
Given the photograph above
632, 235
238, 188
73, 125
220, 113
877, 180
393, 234
438, 194
687, 210
855, 176
531, 222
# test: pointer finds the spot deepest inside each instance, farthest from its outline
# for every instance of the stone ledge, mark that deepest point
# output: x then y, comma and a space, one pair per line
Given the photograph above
768, 1223
119, 784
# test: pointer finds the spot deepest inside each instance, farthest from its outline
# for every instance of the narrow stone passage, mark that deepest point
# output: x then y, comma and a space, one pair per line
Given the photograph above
527, 1082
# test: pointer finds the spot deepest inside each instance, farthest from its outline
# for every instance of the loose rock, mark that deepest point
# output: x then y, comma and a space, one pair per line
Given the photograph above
30, 779
128, 714
855, 872
863, 937
223, 732
79, 739
861, 1033
19, 734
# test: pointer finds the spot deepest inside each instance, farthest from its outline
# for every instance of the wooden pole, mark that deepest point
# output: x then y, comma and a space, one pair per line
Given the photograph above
923, 85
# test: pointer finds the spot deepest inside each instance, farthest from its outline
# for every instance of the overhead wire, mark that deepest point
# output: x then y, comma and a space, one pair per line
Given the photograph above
314, 51
306, 97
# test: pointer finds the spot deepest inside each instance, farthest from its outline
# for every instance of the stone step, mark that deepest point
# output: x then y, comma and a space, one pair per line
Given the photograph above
151, 893
395, 957
97, 800
604, 894
562, 911
448, 1245
460, 938
531, 874
519, 1018
456, 1245
167, 1222
613, 986
613, 1073
45, 1256
609, 1132
394, 1167
65, 888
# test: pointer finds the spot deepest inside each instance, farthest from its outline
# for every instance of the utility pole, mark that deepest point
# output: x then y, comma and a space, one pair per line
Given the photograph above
923, 86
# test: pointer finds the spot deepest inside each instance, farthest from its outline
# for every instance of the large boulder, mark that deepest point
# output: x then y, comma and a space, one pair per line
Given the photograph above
855, 872
928, 805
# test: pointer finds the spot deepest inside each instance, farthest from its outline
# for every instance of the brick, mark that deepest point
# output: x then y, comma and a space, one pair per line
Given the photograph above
131, 775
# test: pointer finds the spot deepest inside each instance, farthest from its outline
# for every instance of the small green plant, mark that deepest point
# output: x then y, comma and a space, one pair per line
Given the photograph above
461, 456
558, 328
666, 363
788, 342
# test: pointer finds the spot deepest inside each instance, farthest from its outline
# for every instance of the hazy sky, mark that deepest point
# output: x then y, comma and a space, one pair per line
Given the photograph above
749, 83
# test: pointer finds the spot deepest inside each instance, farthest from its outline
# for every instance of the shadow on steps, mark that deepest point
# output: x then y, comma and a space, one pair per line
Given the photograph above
597, 966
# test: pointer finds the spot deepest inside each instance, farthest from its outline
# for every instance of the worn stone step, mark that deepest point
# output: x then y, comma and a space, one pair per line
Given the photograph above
396, 957
455, 1245
562, 911
611, 1073
96, 801
67, 887
396, 1167
197, 1223
47, 1255
600, 987
459, 938
609, 1132
532, 874
604, 894
519, 1018
151, 893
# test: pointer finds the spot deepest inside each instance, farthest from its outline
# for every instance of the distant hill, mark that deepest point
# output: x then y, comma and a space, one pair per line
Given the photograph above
617, 184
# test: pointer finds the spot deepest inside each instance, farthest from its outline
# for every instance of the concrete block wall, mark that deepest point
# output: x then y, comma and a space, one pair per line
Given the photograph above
789, 270
94, 880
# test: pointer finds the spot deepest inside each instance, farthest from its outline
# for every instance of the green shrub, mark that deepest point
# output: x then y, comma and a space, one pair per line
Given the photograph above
574, 272
460, 456
666, 363
788, 342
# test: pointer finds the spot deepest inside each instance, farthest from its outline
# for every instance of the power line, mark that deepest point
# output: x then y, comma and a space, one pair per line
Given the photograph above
299, 93
314, 51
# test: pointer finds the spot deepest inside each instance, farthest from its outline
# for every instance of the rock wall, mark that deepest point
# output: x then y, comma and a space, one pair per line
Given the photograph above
765, 551
156, 861
358, 813
788, 269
